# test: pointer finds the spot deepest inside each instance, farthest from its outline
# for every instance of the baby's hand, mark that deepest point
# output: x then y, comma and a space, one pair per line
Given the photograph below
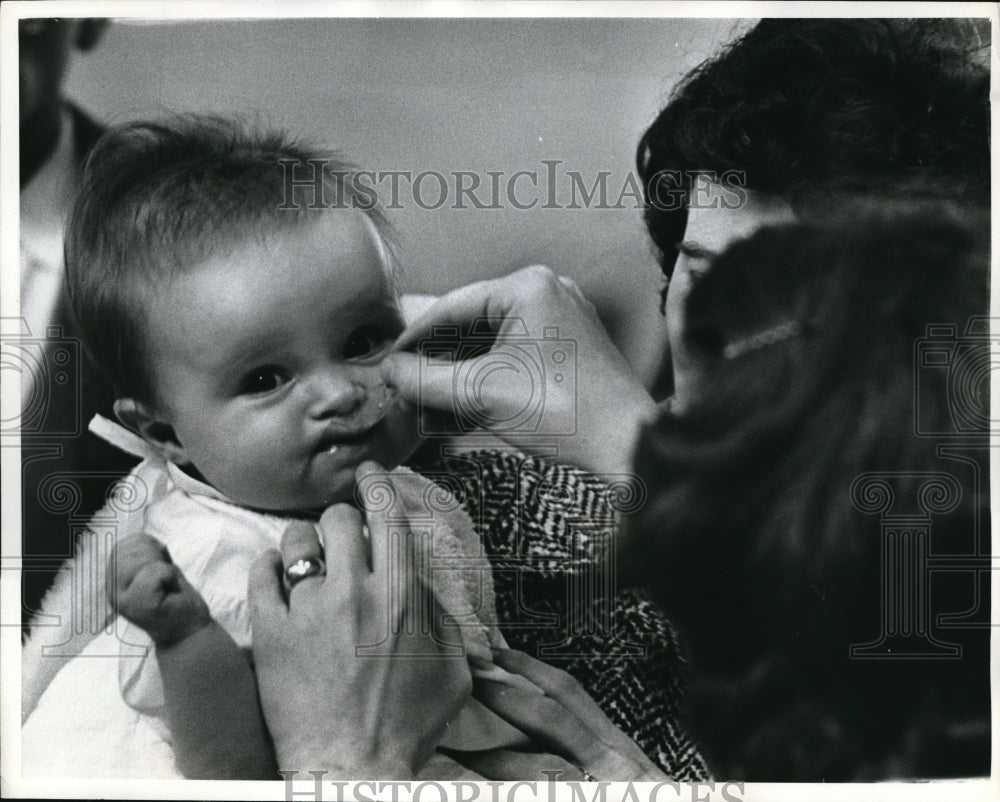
147, 588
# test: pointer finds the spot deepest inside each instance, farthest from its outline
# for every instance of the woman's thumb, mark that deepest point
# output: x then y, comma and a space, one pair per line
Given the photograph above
421, 379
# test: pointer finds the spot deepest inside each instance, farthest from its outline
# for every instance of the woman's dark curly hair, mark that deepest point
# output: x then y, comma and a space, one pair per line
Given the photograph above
798, 102
751, 540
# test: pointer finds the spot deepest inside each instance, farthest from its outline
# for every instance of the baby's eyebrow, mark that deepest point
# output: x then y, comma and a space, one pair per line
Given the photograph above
694, 250
251, 352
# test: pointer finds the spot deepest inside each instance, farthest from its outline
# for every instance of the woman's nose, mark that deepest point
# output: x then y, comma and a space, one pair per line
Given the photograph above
336, 393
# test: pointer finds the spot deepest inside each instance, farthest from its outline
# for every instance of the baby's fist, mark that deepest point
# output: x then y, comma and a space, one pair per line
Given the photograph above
147, 588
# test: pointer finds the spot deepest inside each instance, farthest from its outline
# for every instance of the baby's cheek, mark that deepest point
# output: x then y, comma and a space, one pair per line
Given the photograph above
253, 482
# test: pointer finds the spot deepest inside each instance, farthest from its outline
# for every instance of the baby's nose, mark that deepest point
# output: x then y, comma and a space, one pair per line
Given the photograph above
336, 394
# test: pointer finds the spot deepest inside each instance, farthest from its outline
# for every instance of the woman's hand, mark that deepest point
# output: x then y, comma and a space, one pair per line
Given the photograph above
583, 386
566, 721
354, 675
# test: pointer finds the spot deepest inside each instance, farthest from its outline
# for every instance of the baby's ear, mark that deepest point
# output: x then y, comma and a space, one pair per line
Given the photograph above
141, 418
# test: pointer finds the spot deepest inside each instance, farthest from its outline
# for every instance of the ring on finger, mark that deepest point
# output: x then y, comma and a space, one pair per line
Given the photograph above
303, 568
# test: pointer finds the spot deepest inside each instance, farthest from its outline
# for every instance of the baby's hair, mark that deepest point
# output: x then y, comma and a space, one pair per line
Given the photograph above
751, 540
799, 102
158, 197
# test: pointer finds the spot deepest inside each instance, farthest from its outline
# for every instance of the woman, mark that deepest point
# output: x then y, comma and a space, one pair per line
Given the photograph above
744, 110
814, 417
805, 335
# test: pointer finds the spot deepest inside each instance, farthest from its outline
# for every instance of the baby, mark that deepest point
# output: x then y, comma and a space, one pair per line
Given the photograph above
241, 317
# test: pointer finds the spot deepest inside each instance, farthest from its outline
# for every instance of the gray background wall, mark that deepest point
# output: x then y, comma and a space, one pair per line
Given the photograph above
442, 95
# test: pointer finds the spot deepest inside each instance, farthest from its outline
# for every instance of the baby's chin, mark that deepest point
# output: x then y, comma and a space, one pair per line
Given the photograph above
333, 475
343, 487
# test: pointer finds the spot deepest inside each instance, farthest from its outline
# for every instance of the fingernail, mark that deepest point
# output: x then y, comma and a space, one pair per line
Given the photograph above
368, 467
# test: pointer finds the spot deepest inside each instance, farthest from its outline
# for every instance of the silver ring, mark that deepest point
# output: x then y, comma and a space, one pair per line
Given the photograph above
303, 568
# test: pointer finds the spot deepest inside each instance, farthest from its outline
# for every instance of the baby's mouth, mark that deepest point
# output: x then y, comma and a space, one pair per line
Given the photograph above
338, 436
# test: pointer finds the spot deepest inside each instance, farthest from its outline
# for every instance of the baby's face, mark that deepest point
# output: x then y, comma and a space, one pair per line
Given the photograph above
265, 360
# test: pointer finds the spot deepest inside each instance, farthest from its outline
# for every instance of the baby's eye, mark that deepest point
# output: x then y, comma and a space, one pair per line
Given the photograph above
262, 380
365, 342
693, 260
697, 271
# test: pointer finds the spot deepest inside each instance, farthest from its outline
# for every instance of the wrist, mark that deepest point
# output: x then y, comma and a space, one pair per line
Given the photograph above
642, 412
191, 630
613, 448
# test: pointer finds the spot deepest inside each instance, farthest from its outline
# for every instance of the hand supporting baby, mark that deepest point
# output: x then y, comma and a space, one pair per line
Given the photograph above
212, 709
329, 705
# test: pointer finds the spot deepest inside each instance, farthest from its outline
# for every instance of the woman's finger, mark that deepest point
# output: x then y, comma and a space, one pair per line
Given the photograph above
301, 555
544, 719
562, 687
438, 385
377, 493
399, 574
555, 728
458, 307
404, 372
344, 546
300, 541
573, 287
506, 764
556, 683
264, 589
431, 383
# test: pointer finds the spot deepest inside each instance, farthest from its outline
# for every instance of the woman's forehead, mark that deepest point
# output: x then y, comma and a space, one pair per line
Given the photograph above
719, 214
